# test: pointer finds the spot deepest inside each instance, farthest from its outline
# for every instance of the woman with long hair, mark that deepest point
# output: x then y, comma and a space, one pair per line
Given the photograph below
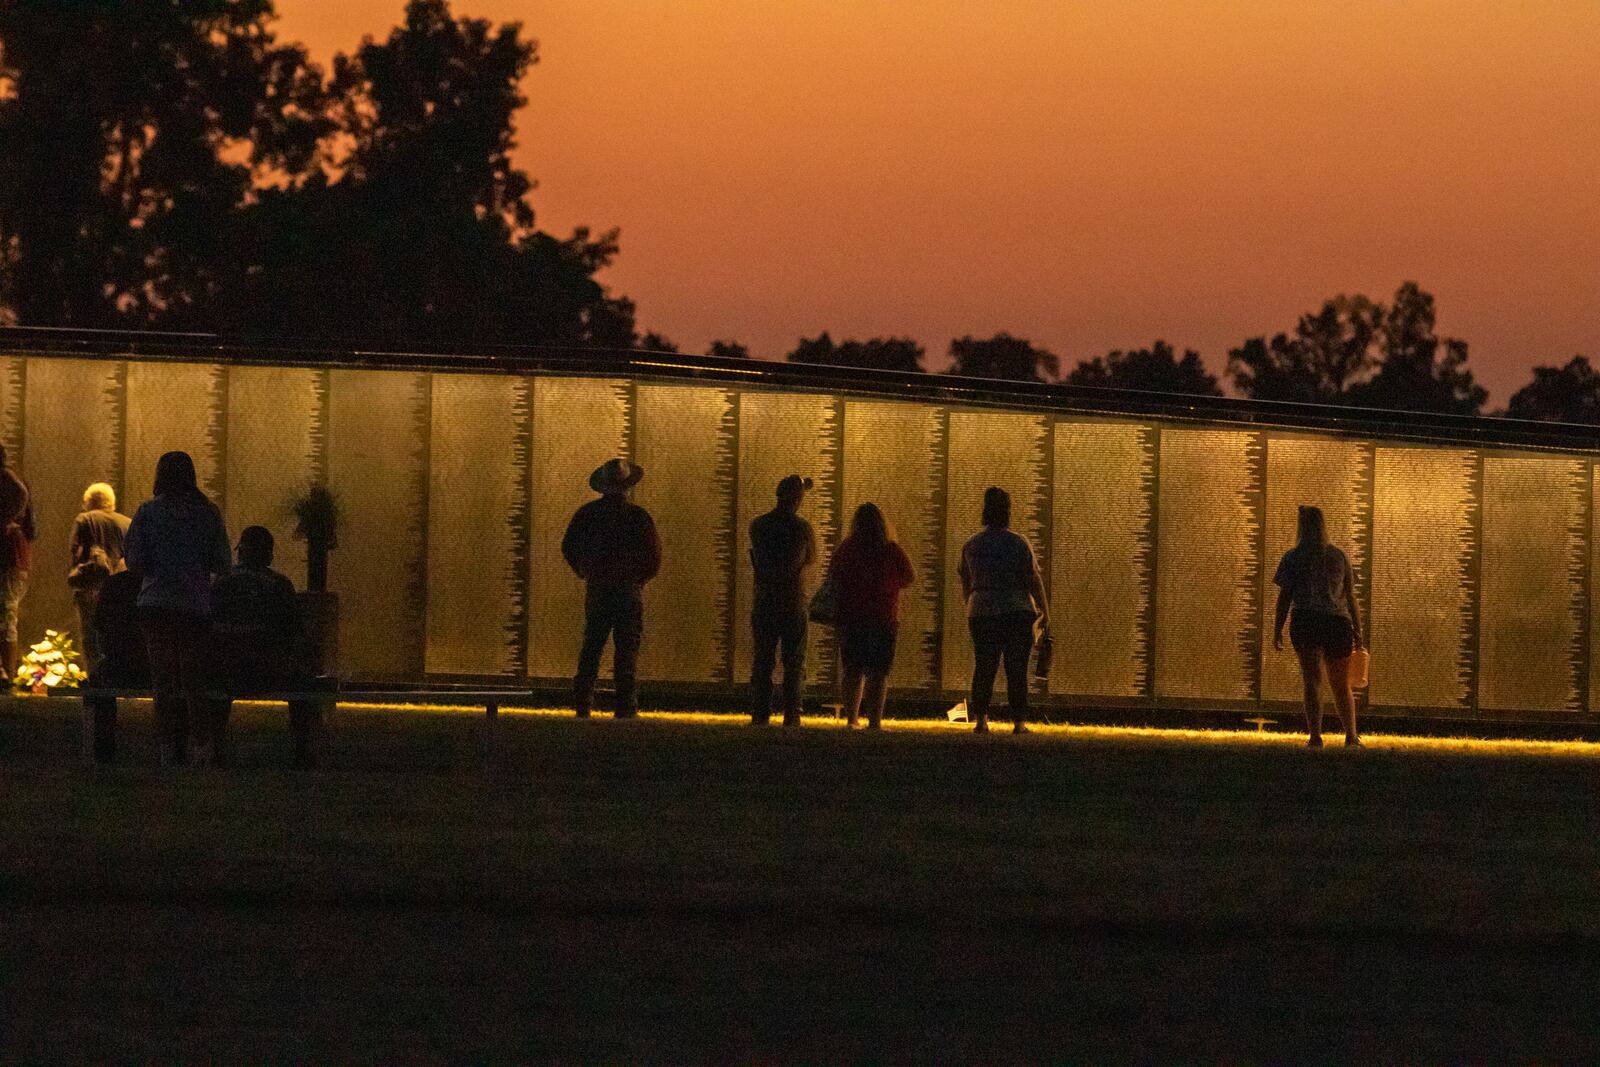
1004, 592
1315, 584
869, 570
177, 544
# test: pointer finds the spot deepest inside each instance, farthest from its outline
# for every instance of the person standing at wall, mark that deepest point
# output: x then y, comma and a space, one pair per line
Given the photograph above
1315, 584
782, 547
611, 543
177, 543
869, 570
16, 555
1005, 596
95, 554
122, 661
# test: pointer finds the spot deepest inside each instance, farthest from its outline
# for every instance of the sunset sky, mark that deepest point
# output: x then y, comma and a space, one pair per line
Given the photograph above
1089, 175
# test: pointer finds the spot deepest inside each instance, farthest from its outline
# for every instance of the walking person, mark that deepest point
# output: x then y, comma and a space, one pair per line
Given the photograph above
16, 557
869, 570
177, 544
1316, 595
782, 547
95, 553
611, 543
1005, 596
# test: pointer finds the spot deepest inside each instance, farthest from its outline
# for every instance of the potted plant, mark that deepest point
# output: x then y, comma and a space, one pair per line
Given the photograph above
316, 514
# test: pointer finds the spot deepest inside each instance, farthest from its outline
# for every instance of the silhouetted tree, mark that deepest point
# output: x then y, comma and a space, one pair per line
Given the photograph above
131, 135
1155, 369
655, 342
880, 353
1331, 351
728, 350
1560, 394
1004, 357
169, 164
1420, 370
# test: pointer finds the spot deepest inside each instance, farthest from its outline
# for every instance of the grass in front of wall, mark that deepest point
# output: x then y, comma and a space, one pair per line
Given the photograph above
689, 887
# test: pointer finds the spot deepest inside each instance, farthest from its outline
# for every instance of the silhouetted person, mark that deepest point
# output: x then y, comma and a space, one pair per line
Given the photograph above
1005, 595
256, 637
869, 570
95, 554
121, 661
612, 545
1315, 583
16, 556
177, 543
782, 546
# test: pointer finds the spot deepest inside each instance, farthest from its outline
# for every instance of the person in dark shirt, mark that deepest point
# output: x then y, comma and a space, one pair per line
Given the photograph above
121, 660
94, 554
612, 545
255, 624
782, 547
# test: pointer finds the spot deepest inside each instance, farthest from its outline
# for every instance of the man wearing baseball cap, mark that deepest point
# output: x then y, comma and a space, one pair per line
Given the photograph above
782, 547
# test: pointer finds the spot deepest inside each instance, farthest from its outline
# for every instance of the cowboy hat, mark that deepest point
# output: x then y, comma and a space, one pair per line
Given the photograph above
615, 475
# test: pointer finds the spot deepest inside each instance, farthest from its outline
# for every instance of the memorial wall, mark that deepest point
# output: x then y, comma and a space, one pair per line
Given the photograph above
1158, 539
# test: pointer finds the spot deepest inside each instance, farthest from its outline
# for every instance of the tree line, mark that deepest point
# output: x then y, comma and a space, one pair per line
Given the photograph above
177, 166
1352, 351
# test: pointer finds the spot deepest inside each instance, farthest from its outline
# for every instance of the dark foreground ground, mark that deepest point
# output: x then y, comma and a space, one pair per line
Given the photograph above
689, 890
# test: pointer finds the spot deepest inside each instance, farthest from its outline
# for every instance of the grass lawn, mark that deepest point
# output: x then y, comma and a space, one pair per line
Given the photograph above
688, 888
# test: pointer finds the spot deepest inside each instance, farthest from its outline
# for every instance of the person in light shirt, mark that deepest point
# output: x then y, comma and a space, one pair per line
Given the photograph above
1316, 596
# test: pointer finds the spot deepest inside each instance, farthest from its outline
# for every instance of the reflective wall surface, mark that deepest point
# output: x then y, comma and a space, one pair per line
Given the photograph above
1158, 539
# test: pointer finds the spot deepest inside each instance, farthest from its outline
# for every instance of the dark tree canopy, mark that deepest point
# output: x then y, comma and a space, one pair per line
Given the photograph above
655, 342
1331, 350
1420, 370
728, 350
1155, 369
1560, 394
880, 353
171, 165
1003, 357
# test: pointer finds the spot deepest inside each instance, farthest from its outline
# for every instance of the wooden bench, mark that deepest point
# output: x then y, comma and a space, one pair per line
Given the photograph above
99, 737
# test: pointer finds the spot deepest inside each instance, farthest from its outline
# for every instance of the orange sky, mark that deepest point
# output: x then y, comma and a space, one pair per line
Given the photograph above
1086, 173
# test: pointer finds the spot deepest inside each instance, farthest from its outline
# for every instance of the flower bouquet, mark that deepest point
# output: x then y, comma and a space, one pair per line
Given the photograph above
50, 664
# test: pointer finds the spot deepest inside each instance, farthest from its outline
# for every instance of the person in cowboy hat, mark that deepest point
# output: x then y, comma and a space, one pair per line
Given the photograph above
782, 547
611, 544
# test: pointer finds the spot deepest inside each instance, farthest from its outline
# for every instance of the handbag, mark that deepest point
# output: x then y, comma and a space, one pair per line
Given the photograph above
1045, 649
824, 607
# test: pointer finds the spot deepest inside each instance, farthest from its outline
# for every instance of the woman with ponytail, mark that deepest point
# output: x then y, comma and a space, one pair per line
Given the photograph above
1315, 583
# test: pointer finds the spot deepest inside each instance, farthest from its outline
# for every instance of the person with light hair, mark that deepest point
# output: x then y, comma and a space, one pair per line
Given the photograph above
16, 556
1316, 596
95, 554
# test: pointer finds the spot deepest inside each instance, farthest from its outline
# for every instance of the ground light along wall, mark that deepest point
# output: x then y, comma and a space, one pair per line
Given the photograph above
1475, 566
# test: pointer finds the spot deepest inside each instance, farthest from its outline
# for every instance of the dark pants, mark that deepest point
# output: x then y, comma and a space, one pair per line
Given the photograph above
177, 645
997, 637
610, 612
245, 666
771, 630
88, 641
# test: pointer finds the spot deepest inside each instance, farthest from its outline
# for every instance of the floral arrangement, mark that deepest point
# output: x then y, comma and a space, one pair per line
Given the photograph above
50, 664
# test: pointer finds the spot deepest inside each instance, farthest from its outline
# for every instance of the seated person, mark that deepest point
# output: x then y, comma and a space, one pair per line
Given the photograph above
121, 661
256, 630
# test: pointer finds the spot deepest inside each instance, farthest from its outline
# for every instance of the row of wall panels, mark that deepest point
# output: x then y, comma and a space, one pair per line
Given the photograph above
1158, 542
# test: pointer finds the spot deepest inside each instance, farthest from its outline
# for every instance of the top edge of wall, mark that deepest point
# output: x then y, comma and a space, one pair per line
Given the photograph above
952, 390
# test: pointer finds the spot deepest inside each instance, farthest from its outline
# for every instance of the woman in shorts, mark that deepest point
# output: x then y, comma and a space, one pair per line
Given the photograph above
869, 570
1315, 583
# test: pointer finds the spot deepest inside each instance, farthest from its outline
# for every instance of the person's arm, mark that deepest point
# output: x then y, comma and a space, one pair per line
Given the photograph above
808, 553
964, 571
220, 553
1036, 589
134, 552
904, 575
652, 548
1280, 616
77, 549
1355, 612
